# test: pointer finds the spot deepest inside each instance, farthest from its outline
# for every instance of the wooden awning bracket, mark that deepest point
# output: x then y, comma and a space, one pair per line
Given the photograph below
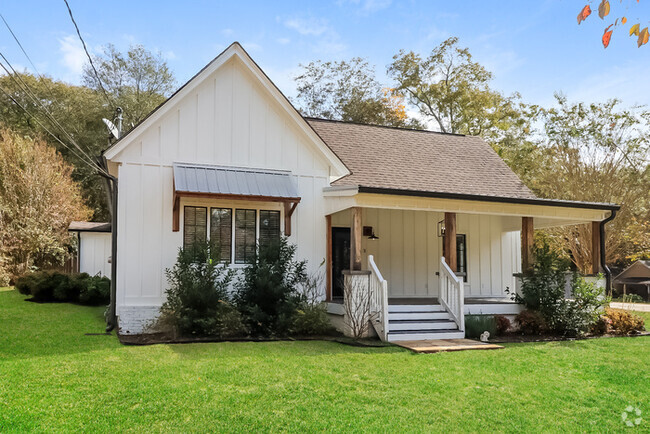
289, 208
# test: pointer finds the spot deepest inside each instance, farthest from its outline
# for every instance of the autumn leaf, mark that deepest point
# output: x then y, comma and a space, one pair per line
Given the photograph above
643, 37
607, 36
623, 20
634, 30
584, 13
603, 9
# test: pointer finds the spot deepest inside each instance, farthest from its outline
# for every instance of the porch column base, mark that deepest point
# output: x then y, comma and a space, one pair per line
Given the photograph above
356, 304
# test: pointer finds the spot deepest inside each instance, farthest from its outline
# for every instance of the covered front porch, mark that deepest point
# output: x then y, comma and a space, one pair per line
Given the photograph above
424, 263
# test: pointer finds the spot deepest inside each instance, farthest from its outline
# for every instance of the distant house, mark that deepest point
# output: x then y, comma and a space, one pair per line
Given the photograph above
635, 279
93, 248
431, 226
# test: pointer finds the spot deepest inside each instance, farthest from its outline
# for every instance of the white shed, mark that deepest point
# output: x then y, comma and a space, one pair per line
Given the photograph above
93, 247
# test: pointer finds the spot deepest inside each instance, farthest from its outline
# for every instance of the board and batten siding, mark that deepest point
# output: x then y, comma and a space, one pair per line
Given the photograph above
408, 251
94, 251
229, 119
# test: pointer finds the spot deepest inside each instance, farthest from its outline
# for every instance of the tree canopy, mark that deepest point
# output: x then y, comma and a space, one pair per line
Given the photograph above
38, 200
349, 91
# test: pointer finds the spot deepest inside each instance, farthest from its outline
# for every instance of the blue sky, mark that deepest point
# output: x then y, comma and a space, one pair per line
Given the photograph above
533, 47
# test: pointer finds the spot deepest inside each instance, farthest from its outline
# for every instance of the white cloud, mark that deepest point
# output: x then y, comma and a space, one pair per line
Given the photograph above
283, 41
73, 57
307, 26
227, 32
169, 55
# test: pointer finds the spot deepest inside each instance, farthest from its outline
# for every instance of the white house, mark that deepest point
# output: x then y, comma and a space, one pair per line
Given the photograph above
430, 225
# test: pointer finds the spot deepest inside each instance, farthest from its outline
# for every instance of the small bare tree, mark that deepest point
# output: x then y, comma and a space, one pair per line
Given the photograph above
356, 303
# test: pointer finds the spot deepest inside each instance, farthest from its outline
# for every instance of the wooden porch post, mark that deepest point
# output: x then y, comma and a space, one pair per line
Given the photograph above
450, 241
527, 232
355, 241
328, 258
595, 247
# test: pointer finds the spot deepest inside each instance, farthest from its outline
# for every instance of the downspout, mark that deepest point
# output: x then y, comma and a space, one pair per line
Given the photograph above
603, 255
111, 185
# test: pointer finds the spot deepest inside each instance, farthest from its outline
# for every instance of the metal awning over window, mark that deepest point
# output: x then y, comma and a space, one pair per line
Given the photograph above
219, 182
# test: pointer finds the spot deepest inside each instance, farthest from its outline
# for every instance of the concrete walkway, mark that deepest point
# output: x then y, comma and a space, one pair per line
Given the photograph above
639, 307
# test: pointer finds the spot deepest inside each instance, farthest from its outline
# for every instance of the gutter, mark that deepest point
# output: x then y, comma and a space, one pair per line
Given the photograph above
111, 186
603, 259
485, 198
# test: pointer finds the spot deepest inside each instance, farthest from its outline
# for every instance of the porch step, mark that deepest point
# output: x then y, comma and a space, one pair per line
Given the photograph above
417, 335
394, 308
435, 324
418, 315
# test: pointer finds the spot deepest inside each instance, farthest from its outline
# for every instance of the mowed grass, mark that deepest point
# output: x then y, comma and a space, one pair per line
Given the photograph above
55, 378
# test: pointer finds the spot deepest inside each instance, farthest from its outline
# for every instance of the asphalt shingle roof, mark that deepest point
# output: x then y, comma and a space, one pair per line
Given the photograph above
393, 158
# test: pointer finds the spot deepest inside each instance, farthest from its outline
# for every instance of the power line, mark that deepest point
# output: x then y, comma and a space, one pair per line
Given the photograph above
43, 80
92, 65
37, 101
92, 166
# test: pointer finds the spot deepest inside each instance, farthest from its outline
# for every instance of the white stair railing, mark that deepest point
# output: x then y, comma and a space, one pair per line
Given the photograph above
452, 294
378, 288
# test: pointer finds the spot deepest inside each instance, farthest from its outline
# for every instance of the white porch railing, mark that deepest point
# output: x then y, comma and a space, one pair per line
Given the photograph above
378, 289
452, 294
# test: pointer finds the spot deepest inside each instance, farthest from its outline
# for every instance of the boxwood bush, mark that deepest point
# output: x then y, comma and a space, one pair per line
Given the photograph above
54, 286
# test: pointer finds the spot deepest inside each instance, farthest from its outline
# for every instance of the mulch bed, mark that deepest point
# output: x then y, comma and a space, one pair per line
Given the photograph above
163, 338
517, 338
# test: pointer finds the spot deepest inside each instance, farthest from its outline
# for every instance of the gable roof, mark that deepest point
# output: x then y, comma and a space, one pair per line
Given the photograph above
234, 50
640, 270
89, 227
416, 160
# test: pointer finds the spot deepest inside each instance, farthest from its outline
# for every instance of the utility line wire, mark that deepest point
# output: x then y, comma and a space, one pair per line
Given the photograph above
92, 65
37, 101
43, 80
93, 166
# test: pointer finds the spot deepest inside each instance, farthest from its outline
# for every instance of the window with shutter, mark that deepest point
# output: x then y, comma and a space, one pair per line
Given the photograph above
245, 234
194, 225
269, 228
221, 232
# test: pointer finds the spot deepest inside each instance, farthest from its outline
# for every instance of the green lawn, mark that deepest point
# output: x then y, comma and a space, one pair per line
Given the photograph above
55, 378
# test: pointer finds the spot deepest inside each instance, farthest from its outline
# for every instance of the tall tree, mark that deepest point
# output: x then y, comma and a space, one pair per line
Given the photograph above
348, 91
38, 200
138, 80
77, 109
597, 153
449, 88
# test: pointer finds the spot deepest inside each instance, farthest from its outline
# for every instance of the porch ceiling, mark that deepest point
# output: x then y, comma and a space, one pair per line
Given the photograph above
546, 213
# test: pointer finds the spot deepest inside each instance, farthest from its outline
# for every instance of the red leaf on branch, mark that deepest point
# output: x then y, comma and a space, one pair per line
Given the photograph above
607, 36
584, 13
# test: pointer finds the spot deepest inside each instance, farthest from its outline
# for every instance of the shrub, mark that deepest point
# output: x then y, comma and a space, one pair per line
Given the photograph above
475, 325
601, 326
630, 298
267, 294
623, 322
311, 316
502, 324
543, 290
92, 290
531, 322
53, 286
197, 298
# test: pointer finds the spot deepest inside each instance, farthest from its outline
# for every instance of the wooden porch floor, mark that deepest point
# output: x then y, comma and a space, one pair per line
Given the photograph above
438, 345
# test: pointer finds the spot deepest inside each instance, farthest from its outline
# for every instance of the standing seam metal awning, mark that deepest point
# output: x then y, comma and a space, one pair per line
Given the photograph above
234, 181
221, 182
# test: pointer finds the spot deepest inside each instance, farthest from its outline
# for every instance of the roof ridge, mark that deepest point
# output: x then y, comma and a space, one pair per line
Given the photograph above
417, 130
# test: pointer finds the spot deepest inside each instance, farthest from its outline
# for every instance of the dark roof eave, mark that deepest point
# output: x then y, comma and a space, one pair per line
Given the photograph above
498, 199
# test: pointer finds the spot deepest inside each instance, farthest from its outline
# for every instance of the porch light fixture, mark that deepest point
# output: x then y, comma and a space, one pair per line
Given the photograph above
369, 232
441, 228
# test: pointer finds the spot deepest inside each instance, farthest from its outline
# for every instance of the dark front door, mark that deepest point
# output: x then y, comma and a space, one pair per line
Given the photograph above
340, 258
